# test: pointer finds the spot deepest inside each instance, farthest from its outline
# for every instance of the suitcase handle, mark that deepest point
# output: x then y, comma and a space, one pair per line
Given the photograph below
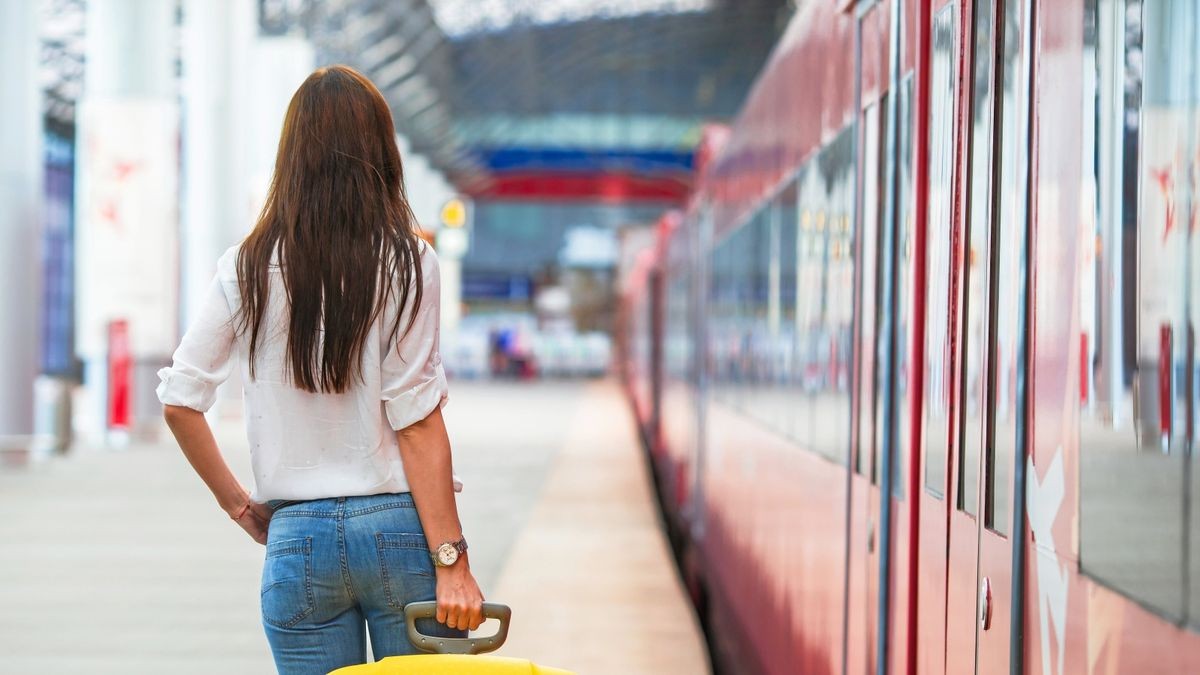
446, 645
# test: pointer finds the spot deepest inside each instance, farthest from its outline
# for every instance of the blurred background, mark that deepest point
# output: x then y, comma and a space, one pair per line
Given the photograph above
820, 336
541, 141
141, 135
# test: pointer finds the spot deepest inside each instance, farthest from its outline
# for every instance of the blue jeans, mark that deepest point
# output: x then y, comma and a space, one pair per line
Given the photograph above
333, 564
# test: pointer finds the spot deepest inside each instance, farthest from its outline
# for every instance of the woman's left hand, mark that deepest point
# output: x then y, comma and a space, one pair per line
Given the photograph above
254, 518
196, 440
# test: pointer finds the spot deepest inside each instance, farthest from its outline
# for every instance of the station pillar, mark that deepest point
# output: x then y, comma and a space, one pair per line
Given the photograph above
217, 37
21, 165
127, 215
453, 241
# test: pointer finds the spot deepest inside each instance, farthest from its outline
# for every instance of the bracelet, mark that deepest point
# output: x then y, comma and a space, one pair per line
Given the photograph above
242, 512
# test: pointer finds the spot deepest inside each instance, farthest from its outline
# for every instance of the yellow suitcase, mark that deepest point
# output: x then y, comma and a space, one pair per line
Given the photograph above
452, 656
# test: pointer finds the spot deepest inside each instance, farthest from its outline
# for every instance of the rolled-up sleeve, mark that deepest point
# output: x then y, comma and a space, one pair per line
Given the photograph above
413, 382
202, 361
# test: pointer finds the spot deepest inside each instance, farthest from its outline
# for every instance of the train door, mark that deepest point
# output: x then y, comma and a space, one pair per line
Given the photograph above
863, 552
987, 441
940, 343
864, 524
880, 533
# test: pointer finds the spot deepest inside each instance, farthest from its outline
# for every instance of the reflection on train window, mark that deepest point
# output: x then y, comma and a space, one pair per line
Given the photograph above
780, 308
1007, 305
869, 221
879, 341
977, 256
721, 315
790, 413
809, 201
833, 293
679, 362
1139, 289
903, 306
943, 94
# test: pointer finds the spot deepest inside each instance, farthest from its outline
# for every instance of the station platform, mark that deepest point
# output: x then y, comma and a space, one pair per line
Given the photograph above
121, 562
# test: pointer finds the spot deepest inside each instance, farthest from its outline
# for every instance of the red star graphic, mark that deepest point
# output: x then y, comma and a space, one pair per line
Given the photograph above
122, 170
1162, 177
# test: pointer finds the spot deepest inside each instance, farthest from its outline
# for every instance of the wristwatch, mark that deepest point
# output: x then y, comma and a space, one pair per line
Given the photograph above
447, 554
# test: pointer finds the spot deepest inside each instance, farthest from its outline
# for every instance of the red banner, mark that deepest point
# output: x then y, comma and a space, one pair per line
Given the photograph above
120, 367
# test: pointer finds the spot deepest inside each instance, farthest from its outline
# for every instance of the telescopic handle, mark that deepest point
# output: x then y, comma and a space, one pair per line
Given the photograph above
448, 645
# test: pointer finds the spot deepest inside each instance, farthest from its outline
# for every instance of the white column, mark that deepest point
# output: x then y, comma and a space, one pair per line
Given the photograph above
451, 278
427, 191
279, 65
217, 39
217, 36
20, 221
127, 220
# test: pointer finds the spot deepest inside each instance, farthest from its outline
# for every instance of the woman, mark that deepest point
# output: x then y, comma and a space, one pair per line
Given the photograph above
330, 309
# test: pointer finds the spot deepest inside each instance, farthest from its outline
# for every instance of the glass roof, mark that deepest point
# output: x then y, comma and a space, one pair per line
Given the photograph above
481, 85
464, 17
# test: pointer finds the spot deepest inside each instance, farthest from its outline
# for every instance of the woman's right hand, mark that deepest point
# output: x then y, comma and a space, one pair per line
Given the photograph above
459, 601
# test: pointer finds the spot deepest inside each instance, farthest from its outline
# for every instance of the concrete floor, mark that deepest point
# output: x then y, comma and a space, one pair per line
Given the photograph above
121, 562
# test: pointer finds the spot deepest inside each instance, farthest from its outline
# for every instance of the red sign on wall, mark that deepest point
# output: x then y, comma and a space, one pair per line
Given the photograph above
120, 367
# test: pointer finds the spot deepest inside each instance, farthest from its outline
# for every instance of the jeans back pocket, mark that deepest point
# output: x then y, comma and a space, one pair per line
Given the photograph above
287, 595
406, 567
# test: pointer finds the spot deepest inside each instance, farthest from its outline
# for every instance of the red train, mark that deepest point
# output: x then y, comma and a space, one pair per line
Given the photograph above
916, 364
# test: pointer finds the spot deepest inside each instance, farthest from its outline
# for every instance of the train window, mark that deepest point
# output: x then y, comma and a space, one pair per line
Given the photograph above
781, 290
834, 299
677, 357
904, 302
679, 363
746, 309
1009, 237
1139, 292
730, 292
761, 301
741, 299
788, 409
869, 223
722, 306
943, 94
977, 258
879, 343
808, 307
773, 363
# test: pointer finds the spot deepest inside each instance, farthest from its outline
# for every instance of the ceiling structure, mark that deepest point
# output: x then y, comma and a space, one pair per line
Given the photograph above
587, 100
590, 100
608, 107
61, 59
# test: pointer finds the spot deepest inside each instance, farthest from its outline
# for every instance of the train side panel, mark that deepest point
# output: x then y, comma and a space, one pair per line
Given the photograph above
1108, 522
774, 520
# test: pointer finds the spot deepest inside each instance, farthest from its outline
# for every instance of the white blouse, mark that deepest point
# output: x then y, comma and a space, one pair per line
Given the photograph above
307, 445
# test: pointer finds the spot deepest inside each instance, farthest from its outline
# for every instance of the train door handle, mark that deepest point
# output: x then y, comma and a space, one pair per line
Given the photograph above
870, 535
985, 604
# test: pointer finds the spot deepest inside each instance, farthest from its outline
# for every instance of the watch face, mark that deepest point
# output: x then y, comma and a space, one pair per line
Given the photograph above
447, 554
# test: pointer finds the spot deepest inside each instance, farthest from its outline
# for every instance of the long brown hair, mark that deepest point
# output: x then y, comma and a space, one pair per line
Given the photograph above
346, 238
